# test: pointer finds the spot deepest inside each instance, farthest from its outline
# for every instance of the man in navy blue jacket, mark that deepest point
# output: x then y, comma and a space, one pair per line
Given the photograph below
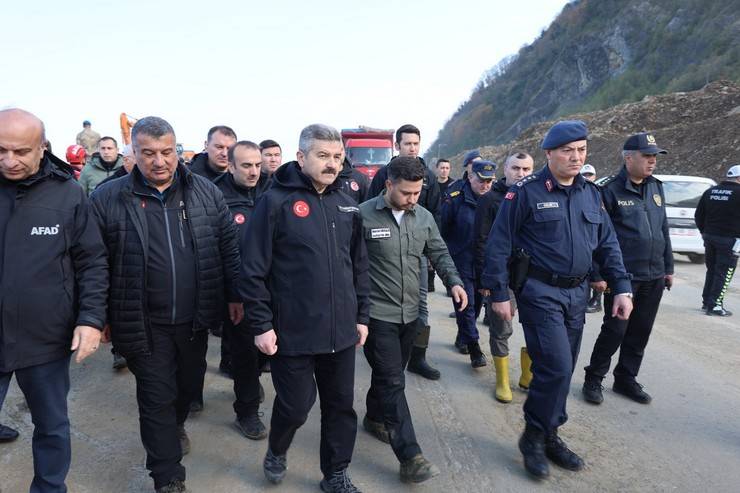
457, 228
304, 277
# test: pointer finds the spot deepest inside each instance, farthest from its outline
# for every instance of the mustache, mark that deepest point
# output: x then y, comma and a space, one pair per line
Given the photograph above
329, 171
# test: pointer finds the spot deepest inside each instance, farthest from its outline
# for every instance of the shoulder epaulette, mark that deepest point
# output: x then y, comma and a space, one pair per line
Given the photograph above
455, 193
605, 181
526, 179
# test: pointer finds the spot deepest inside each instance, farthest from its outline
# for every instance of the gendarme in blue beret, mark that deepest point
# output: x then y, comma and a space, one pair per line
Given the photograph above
564, 132
470, 156
486, 170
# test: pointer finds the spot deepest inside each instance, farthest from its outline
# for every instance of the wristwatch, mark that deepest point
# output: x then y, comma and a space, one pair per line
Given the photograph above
628, 295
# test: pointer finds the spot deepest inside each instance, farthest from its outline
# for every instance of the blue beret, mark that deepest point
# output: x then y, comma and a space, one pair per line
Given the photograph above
470, 156
486, 170
564, 132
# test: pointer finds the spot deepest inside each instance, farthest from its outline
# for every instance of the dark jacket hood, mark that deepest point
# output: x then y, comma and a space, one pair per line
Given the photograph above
289, 175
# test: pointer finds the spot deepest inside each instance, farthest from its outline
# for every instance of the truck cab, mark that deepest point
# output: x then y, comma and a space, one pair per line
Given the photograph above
368, 149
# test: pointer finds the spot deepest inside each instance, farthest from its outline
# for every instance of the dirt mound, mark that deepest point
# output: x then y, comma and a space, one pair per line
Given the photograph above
700, 130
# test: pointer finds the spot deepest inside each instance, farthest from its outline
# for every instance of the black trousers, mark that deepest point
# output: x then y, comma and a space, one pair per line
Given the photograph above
239, 353
631, 335
387, 349
721, 265
167, 380
296, 379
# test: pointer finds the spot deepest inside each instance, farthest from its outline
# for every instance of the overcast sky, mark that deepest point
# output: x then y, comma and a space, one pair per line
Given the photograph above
267, 69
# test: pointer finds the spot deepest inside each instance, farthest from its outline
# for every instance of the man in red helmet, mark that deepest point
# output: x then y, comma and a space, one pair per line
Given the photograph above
76, 156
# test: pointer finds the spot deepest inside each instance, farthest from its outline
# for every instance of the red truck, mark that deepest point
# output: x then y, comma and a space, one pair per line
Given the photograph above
368, 149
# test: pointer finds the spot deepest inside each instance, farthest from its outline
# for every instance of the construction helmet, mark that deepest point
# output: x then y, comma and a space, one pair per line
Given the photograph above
76, 154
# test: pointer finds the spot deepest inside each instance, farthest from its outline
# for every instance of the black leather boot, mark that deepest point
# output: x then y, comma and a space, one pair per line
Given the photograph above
418, 364
532, 447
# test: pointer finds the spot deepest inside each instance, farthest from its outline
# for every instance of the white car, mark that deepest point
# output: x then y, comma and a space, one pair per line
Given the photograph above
682, 194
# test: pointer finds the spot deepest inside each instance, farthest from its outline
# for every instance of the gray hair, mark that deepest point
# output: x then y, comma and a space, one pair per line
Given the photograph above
626, 153
152, 126
317, 131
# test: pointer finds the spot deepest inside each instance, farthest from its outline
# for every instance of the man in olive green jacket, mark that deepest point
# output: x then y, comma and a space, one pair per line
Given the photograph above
398, 232
102, 165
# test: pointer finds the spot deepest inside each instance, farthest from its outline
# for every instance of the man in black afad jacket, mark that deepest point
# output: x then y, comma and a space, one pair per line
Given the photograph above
635, 203
54, 283
173, 256
242, 186
304, 279
518, 165
718, 218
408, 144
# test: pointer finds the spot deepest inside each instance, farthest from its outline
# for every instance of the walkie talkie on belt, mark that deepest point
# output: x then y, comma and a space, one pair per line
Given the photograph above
518, 269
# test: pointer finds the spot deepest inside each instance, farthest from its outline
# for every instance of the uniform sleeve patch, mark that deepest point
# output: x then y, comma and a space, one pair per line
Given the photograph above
509, 195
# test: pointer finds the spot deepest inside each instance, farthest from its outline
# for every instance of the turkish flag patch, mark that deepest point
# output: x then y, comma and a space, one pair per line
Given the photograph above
239, 218
354, 186
509, 195
301, 208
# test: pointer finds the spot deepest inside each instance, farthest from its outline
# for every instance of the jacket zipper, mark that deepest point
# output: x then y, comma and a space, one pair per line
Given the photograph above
172, 262
331, 274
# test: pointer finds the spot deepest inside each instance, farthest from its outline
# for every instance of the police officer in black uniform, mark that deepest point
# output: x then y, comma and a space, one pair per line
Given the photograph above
408, 144
242, 185
552, 226
635, 203
718, 218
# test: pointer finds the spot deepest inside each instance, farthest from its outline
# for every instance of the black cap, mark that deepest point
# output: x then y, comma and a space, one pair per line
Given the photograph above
643, 142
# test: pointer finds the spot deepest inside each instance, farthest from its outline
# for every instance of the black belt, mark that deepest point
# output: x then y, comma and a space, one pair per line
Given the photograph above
555, 279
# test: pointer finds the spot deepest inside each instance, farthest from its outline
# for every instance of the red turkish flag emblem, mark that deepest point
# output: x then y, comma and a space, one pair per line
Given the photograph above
509, 195
239, 218
301, 208
354, 186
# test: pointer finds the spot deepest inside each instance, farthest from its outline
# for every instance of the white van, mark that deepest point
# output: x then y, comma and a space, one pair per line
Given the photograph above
682, 194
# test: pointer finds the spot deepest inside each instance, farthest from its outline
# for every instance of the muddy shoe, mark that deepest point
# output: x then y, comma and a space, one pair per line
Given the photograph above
462, 348
477, 358
558, 452
7, 434
184, 439
274, 466
338, 482
633, 390
592, 391
417, 469
174, 486
376, 429
251, 427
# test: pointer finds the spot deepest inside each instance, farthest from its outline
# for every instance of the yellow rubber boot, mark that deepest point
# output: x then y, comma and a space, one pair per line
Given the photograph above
503, 388
526, 377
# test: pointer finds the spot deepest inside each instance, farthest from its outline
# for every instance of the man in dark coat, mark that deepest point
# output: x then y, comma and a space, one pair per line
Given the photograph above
54, 279
304, 278
174, 260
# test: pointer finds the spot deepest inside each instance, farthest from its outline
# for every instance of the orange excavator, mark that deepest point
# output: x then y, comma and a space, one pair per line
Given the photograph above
128, 122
